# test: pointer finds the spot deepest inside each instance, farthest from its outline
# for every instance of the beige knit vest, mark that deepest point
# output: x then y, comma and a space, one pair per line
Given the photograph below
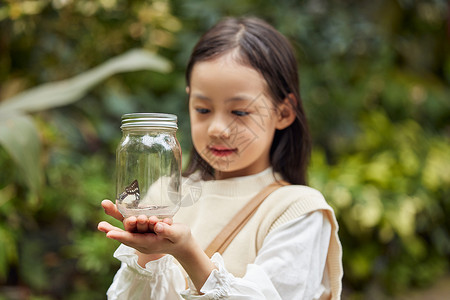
284, 205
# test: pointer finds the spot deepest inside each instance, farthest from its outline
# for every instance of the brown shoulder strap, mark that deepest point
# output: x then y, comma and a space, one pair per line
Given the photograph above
224, 238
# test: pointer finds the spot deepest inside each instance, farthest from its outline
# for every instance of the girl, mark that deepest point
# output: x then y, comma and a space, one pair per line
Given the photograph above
249, 130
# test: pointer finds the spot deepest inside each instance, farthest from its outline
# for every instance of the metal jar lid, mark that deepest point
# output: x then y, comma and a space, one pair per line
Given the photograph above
156, 120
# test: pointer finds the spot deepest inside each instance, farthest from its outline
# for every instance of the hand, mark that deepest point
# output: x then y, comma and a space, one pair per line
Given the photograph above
153, 236
132, 224
148, 235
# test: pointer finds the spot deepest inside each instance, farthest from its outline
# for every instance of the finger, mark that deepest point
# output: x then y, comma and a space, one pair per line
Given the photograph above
168, 221
111, 210
152, 220
142, 224
106, 227
130, 224
122, 236
140, 241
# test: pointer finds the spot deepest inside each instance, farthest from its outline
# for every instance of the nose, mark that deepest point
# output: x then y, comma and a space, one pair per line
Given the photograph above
219, 128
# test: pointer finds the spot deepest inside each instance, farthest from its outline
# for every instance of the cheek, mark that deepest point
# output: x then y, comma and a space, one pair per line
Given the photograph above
197, 131
193, 120
196, 124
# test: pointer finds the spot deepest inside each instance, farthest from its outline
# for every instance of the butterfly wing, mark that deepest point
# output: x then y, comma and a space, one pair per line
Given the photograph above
131, 196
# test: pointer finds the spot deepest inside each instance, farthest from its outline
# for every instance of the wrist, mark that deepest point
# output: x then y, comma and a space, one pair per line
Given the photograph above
143, 258
196, 263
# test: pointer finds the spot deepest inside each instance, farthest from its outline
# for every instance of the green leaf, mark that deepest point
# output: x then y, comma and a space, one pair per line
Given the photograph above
8, 250
20, 138
67, 91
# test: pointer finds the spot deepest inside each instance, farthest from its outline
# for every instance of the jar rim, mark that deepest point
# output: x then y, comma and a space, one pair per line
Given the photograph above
160, 120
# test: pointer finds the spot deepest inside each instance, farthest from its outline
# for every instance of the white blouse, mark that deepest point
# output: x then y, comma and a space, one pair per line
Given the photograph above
290, 265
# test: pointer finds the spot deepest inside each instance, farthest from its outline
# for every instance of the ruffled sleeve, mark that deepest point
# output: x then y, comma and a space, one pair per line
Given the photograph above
216, 286
160, 279
223, 285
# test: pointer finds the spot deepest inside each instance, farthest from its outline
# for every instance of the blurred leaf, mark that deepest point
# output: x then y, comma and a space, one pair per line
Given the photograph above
91, 249
8, 250
437, 168
64, 92
368, 211
19, 136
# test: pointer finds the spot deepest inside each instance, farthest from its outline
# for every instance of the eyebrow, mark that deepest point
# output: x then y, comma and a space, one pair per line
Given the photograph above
232, 99
200, 96
240, 98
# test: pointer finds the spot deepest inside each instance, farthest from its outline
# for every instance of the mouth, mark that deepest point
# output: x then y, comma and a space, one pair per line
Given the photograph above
221, 151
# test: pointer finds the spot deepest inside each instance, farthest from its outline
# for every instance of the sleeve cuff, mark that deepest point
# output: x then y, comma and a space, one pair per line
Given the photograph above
128, 256
217, 285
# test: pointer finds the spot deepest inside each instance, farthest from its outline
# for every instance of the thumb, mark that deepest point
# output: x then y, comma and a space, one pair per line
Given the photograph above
161, 230
173, 233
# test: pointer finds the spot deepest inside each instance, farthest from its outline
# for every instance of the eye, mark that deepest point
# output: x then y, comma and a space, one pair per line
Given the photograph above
240, 113
202, 110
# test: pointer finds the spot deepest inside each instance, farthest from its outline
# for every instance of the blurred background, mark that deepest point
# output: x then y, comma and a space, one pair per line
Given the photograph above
374, 80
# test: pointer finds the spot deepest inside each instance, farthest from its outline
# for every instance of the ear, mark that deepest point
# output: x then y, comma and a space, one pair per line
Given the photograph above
286, 112
188, 90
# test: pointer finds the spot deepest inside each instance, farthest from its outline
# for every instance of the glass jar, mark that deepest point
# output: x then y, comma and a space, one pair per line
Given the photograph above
148, 166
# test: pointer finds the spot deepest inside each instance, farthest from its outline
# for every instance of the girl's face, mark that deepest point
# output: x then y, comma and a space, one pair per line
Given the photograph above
233, 120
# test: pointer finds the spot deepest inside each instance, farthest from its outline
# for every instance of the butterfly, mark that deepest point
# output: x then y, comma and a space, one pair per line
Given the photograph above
131, 195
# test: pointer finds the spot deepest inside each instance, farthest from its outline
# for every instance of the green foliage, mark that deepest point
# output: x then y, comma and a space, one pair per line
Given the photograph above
388, 203
375, 84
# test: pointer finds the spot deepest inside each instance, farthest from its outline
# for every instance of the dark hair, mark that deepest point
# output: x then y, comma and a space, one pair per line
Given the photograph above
264, 49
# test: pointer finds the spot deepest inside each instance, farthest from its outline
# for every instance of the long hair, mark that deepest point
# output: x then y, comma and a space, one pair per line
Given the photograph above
264, 49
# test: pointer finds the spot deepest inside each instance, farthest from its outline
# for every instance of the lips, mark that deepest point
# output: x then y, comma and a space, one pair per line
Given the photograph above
221, 150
